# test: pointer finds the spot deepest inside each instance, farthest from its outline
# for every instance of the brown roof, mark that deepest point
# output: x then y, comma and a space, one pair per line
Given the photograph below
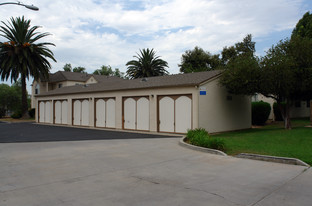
78, 77
177, 80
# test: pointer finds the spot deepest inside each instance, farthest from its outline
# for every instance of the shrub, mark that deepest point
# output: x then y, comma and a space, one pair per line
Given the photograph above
2, 112
16, 115
200, 137
260, 112
31, 113
217, 143
277, 112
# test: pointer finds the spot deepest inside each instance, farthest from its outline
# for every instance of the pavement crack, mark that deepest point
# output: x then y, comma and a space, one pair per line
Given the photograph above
69, 180
278, 188
186, 188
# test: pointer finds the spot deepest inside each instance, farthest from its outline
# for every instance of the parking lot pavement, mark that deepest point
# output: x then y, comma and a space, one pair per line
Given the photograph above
139, 171
31, 132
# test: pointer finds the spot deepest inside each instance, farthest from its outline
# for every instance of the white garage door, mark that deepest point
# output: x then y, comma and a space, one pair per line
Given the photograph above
143, 114
105, 113
110, 113
166, 114
129, 113
136, 113
41, 111
64, 112
81, 112
47, 115
85, 113
183, 114
77, 112
175, 113
60, 112
100, 113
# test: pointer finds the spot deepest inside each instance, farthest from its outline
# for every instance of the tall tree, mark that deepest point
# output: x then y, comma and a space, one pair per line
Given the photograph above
79, 69
241, 74
303, 27
198, 60
283, 74
147, 64
287, 73
108, 71
67, 67
21, 56
240, 49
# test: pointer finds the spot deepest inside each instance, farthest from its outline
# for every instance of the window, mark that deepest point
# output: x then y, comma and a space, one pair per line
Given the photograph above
298, 104
37, 89
60, 85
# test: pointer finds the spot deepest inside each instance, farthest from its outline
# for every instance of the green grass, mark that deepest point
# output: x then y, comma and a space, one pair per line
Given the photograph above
273, 140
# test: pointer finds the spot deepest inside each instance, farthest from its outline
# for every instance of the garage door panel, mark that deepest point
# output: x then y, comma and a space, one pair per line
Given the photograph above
85, 113
47, 116
129, 113
58, 112
143, 114
64, 112
183, 114
110, 113
166, 114
100, 113
41, 111
77, 112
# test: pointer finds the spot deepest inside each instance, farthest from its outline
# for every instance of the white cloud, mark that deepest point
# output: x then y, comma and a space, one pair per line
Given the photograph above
92, 33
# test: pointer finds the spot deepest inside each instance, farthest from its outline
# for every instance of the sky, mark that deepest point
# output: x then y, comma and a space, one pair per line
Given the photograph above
92, 33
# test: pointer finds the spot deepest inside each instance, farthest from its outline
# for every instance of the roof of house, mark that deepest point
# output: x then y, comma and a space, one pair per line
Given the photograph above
78, 77
177, 80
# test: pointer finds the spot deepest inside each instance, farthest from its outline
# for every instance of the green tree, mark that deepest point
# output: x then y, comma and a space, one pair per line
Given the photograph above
198, 60
10, 97
240, 49
21, 56
287, 74
242, 71
79, 69
108, 71
147, 64
67, 67
104, 70
303, 27
283, 74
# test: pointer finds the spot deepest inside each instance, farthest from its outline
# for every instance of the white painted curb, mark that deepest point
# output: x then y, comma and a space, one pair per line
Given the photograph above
284, 160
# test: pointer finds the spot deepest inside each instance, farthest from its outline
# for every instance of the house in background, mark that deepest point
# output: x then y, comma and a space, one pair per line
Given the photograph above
64, 79
300, 108
173, 103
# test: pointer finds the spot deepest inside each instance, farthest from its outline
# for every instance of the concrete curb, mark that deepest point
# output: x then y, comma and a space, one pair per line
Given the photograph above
284, 160
201, 149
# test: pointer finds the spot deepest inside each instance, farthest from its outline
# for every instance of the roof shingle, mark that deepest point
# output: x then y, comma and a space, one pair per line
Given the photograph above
110, 84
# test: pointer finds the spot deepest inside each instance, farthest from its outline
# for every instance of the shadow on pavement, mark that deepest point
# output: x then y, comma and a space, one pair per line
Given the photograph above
30, 132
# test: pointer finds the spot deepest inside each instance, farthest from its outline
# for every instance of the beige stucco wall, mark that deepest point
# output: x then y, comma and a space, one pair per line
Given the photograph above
152, 93
302, 111
218, 114
91, 80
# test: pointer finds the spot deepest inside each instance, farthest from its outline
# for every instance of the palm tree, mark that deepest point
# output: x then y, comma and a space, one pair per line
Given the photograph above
21, 57
146, 65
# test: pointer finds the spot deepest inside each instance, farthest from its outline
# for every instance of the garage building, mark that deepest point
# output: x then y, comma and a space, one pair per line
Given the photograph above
171, 104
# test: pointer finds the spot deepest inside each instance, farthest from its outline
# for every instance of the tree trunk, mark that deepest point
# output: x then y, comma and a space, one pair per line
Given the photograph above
285, 114
311, 111
25, 114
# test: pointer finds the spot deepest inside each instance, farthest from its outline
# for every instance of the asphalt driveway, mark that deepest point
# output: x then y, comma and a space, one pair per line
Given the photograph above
31, 132
134, 170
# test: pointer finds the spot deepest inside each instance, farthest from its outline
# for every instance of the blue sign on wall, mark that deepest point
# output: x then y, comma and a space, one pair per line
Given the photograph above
202, 92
